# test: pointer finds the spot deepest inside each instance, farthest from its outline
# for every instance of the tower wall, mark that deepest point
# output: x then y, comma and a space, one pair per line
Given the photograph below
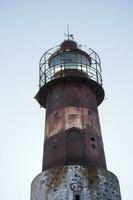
73, 134
75, 182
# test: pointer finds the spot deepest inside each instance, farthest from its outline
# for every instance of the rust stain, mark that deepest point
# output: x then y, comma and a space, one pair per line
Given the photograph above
57, 174
68, 117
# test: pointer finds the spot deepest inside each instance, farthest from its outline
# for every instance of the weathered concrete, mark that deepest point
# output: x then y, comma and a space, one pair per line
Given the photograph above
69, 182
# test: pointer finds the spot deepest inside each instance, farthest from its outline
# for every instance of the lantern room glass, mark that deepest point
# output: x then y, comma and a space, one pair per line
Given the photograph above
69, 60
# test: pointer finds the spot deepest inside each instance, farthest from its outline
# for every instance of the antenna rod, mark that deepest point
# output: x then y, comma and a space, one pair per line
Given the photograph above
68, 35
68, 31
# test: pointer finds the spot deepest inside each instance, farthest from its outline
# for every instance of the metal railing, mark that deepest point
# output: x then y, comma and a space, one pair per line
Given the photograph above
47, 72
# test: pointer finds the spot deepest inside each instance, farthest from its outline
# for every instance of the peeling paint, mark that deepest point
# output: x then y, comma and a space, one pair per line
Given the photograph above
68, 117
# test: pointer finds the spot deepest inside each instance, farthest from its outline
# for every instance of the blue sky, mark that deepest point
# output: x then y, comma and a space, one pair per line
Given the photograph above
27, 29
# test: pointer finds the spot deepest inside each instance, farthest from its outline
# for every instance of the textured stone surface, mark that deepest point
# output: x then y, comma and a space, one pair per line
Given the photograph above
63, 183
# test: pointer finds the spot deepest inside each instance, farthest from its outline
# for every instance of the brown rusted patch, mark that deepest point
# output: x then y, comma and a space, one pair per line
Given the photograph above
93, 179
57, 174
70, 94
92, 174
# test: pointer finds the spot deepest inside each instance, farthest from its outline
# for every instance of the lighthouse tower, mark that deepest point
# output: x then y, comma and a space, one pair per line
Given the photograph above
74, 165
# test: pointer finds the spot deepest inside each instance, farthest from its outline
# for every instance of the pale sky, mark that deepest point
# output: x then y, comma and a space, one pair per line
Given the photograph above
27, 30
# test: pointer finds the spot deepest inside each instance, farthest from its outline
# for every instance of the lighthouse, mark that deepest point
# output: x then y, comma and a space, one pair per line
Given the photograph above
74, 164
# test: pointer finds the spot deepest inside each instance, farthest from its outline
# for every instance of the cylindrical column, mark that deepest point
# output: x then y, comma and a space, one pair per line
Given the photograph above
73, 134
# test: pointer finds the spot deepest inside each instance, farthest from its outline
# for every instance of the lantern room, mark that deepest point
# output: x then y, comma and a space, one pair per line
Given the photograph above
69, 61
69, 55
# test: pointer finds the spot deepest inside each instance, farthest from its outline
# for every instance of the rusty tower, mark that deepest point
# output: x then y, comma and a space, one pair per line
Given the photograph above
74, 166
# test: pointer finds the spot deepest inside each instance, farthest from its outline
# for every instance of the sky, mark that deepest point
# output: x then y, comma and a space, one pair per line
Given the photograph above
27, 29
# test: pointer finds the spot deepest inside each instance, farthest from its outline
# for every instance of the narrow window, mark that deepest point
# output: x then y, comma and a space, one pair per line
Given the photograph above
76, 194
93, 146
89, 112
77, 197
92, 139
55, 143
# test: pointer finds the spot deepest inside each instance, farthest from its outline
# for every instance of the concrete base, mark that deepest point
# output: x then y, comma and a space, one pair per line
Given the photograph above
75, 182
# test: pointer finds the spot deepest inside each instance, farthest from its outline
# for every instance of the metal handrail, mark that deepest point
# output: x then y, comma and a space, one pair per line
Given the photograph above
46, 72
